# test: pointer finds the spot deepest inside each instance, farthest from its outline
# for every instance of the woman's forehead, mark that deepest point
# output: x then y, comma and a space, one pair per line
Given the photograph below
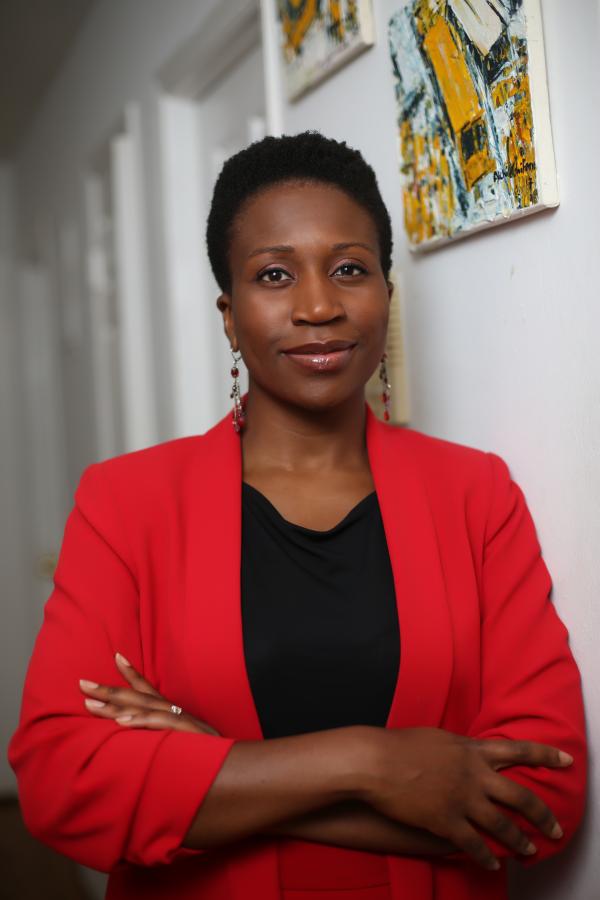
292, 211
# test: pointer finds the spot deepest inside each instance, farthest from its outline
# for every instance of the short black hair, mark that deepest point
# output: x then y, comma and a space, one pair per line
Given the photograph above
308, 156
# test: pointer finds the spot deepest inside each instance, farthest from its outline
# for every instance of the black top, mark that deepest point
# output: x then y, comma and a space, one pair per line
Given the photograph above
320, 625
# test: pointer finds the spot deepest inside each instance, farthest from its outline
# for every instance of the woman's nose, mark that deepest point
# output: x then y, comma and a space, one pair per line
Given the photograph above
317, 301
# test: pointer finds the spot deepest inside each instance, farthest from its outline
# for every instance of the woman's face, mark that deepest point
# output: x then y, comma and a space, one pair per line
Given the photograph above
309, 302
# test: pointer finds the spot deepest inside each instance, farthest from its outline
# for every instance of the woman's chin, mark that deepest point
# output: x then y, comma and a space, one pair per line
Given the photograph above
326, 401
325, 394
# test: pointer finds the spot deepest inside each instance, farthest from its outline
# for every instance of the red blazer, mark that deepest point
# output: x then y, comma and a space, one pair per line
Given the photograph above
150, 566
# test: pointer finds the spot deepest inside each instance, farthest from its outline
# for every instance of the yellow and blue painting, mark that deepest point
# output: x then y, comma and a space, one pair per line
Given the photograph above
319, 36
466, 134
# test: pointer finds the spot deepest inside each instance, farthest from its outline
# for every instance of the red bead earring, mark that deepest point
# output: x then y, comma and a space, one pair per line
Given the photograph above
238, 419
386, 396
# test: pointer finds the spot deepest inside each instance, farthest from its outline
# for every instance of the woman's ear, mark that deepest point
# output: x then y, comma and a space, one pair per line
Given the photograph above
224, 306
390, 287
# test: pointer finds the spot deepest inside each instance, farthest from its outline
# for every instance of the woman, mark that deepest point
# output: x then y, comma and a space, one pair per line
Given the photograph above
317, 651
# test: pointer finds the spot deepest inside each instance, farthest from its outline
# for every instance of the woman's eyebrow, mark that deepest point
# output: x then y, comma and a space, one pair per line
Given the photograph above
347, 244
287, 248
279, 248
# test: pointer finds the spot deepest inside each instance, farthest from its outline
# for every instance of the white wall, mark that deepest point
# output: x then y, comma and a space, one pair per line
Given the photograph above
502, 334
501, 328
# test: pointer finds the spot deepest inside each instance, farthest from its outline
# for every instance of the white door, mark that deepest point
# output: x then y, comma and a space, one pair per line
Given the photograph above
104, 316
117, 279
44, 453
16, 631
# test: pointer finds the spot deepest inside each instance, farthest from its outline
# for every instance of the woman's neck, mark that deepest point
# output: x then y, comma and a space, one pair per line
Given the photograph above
280, 436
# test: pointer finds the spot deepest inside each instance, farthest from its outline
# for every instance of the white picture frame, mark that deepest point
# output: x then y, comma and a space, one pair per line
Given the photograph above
319, 37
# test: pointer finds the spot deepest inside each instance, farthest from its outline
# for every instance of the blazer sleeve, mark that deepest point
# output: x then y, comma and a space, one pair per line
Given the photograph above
89, 788
531, 686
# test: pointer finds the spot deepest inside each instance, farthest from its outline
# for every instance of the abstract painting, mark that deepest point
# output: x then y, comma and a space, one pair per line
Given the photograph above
474, 135
319, 36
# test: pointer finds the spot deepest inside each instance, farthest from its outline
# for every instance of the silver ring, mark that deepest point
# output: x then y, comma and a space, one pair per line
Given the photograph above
176, 710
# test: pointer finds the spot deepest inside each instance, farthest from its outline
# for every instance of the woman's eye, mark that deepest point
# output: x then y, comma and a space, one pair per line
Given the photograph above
277, 273
349, 267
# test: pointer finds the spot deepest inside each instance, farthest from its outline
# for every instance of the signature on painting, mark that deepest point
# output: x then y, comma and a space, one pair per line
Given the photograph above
513, 170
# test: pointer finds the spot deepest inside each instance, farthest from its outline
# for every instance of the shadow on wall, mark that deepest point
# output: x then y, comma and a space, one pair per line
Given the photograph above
30, 870
554, 878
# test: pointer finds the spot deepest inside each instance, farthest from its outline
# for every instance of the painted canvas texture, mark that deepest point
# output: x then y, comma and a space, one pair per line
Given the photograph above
319, 36
474, 135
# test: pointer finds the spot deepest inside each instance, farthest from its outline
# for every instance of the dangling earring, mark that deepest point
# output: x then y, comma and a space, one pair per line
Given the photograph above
386, 396
238, 409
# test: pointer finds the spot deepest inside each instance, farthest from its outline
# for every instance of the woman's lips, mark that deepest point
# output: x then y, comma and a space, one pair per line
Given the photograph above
322, 361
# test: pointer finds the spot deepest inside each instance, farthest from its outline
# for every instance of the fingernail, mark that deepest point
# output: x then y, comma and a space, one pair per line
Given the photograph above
565, 758
557, 831
87, 685
123, 719
530, 849
120, 658
94, 704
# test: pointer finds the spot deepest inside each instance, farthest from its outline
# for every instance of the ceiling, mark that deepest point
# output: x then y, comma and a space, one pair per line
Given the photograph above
35, 36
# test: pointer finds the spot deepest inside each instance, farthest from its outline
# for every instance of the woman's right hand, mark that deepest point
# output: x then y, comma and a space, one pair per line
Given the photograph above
449, 784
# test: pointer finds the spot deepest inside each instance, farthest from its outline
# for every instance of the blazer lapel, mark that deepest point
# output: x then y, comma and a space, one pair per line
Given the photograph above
423, 613
217, 641
214, 586
425, 625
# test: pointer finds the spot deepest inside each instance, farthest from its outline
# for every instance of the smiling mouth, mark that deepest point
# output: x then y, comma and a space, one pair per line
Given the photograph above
320, 348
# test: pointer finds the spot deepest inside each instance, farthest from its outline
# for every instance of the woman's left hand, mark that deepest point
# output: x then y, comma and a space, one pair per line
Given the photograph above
138, 706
